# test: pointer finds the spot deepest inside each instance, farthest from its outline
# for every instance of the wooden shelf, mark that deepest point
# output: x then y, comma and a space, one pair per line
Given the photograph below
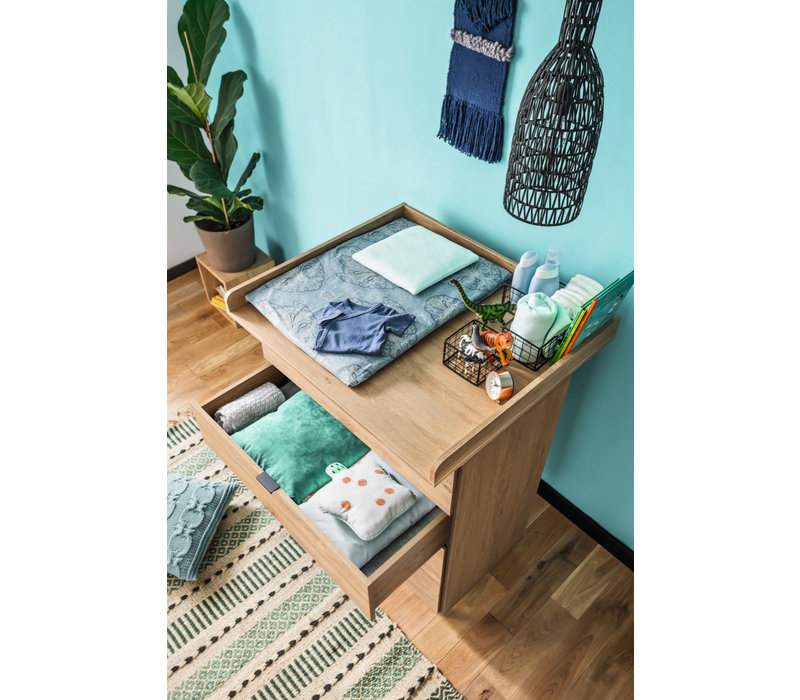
213, 278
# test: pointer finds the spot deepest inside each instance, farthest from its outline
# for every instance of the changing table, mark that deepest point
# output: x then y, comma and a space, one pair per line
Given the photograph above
480, 462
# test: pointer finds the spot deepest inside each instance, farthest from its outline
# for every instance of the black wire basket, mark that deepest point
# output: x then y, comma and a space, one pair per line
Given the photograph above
475, 366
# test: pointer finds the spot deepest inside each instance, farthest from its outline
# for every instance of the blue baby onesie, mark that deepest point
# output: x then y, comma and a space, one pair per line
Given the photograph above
348, 327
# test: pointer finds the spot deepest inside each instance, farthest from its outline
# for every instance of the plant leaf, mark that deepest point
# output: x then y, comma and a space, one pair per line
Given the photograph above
241, 214
200, 217
188, 104
173, 77
207, 177
247, 171
206, 205
225, 147
256, 203
231, 88
202, 21
181, 191
234, 205
185, 145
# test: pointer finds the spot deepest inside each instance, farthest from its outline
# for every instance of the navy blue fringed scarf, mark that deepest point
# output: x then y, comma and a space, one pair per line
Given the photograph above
472, 111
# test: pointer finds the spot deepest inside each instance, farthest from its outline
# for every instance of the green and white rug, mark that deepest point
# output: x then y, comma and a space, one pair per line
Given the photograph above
264, 620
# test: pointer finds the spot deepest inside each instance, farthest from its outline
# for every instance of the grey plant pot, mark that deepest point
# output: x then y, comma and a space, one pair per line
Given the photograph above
230, 251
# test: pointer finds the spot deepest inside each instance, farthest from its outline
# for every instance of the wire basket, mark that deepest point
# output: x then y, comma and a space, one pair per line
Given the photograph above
471, 368
522, 350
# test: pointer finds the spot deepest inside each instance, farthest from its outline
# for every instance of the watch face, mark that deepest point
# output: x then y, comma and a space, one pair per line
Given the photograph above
493, 385
499, 386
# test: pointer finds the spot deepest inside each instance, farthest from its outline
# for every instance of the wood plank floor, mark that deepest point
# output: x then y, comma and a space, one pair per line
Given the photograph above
553, 618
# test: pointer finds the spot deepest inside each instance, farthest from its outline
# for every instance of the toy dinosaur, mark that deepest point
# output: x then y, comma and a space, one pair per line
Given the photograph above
499, 342
486, 312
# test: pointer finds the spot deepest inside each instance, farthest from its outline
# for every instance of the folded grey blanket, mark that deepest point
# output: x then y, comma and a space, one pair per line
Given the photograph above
248, 408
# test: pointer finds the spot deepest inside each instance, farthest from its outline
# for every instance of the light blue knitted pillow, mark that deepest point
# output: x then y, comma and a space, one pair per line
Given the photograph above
194, 509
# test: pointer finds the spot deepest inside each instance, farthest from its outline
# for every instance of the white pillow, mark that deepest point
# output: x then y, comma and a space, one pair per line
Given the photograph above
357, 550
366, 498
415, 258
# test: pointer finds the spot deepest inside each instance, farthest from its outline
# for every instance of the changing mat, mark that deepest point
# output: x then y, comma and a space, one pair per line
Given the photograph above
293, 302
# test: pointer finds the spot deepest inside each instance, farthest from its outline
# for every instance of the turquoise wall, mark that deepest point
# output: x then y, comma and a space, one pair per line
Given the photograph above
343, 101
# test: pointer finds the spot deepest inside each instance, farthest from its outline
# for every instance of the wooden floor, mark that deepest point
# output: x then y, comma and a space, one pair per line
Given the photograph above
553, 619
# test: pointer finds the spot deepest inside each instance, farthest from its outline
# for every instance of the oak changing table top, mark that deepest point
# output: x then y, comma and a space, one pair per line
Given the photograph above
415, 412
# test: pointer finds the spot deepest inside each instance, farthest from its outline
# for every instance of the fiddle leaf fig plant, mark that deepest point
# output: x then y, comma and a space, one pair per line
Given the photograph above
203, 150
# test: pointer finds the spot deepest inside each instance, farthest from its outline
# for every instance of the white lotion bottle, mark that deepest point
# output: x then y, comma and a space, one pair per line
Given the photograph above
523, 274
545, 280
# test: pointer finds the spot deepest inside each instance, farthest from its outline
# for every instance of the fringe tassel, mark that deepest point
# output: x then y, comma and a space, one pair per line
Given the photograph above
488, 13
471, 130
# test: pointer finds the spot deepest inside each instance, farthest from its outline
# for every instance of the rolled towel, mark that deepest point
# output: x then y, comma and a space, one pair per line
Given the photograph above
534, 317
248, 408
588, 283
577, 296
566, 301
560, 324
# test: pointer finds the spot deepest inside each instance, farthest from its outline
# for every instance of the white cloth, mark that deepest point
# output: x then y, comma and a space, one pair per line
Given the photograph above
357, 550
576, 293
366, 498
588, 283
567, 302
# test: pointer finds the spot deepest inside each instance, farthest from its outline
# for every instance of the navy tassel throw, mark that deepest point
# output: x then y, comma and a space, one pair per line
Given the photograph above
472, 111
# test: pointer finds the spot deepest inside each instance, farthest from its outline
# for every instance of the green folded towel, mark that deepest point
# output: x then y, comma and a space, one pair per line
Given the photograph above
295, 443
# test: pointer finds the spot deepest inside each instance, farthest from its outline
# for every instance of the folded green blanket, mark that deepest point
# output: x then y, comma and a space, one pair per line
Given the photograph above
295, 443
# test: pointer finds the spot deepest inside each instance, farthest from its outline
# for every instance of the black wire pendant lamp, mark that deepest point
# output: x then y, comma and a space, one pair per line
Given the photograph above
558, 126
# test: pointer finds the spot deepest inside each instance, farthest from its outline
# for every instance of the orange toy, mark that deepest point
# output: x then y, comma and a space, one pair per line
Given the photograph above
499, 342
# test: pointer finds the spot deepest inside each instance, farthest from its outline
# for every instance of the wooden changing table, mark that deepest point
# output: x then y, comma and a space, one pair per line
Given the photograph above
478, 461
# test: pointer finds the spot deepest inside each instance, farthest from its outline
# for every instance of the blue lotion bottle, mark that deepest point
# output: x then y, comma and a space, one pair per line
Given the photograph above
545, 280
523, 274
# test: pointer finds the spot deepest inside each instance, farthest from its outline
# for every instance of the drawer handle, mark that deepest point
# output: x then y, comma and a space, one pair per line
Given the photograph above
267, 482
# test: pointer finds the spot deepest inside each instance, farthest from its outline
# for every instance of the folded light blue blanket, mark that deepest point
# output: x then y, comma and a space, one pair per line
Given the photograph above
538, 320
293, 302
415, 258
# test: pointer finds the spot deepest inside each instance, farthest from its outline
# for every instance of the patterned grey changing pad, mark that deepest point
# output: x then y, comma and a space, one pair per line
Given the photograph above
294, 301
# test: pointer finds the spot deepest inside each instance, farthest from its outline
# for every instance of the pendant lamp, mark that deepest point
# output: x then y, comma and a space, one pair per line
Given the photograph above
558, 126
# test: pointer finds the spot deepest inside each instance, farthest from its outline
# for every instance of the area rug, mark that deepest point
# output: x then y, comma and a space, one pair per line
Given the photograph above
264, 620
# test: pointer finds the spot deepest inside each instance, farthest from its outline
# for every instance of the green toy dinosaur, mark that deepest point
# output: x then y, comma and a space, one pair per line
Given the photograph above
486, 312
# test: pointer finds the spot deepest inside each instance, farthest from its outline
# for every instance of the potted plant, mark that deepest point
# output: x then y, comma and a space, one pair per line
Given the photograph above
203, 149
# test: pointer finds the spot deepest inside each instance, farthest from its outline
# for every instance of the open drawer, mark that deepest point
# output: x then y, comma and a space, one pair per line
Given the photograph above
366, 587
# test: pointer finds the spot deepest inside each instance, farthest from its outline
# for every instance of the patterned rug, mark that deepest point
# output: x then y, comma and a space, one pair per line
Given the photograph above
264, 620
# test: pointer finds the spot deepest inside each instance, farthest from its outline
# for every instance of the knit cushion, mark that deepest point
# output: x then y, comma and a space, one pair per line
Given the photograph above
415, 258
366, 498
295, 443
194, 509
